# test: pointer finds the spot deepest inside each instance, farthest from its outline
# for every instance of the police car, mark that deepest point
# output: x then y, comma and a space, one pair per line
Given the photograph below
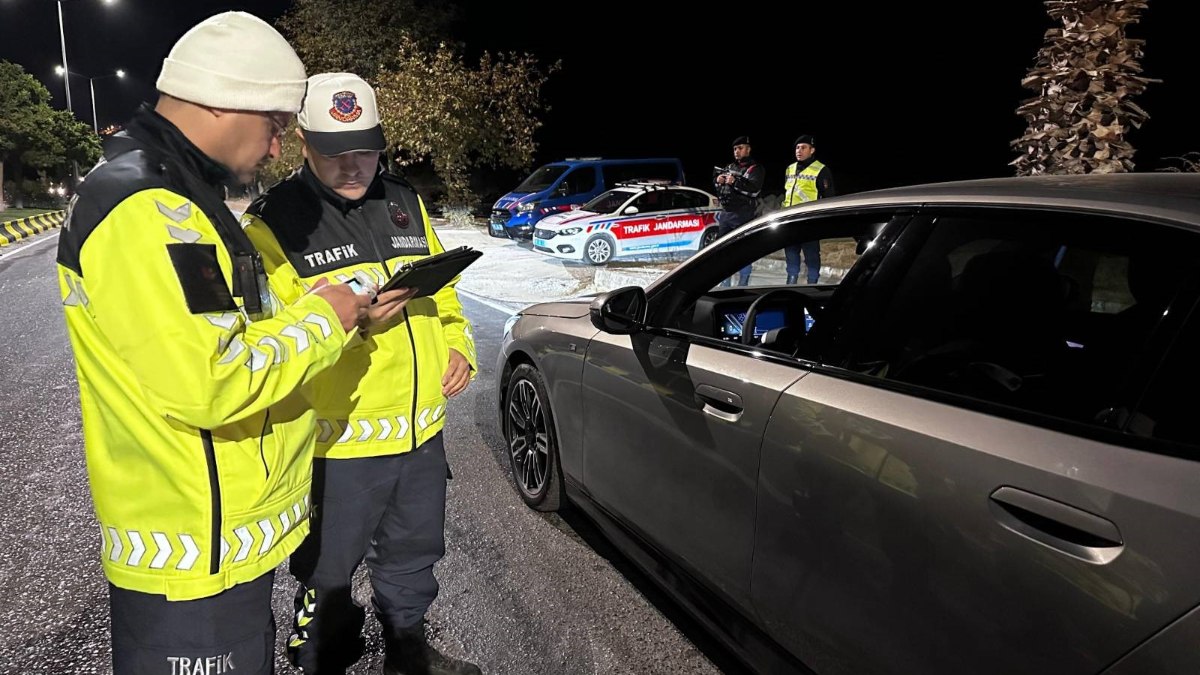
631, 220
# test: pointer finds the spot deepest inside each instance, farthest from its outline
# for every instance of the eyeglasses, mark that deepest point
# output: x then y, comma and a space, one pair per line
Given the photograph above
279, 123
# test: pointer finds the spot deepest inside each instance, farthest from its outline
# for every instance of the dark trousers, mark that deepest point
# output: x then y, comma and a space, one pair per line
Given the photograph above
812, 260
387, 511
728, 221
231, 632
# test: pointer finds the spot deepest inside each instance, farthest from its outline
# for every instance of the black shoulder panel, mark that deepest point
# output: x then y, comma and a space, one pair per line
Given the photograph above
291, 211
106, 186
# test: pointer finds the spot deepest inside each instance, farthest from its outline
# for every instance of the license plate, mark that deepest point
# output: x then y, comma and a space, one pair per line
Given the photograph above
541, 242
496, 227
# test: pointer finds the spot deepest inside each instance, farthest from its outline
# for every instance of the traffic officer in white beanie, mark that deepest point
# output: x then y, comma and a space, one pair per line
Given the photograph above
199, 444
379, 480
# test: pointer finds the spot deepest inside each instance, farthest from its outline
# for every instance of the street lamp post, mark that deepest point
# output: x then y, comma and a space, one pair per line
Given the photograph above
92, 86
62, 40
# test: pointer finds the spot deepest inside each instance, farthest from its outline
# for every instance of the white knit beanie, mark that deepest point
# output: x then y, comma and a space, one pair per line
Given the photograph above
236, 61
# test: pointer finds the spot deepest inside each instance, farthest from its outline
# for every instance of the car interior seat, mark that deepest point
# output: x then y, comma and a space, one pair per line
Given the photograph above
1005, 339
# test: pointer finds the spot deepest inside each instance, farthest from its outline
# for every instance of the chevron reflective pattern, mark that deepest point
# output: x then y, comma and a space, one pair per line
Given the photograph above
256, 539
158, 550
155, 550
366, 429
76, 294
13, 231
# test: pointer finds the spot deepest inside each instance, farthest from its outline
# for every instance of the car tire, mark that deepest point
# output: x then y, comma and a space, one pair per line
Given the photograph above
599, 249
531, 440
709, 236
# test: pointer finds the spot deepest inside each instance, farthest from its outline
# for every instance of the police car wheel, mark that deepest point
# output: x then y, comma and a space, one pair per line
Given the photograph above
709, 236
598, 250
531, 439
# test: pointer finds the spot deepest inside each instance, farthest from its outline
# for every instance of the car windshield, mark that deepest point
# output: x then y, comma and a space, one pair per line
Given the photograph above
608, 202
542, 178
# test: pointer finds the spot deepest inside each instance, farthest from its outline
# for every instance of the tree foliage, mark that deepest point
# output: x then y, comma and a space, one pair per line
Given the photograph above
32, 134
1085, 75
435, 105
329, 35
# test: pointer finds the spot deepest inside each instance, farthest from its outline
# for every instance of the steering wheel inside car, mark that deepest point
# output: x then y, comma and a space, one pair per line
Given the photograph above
777, 294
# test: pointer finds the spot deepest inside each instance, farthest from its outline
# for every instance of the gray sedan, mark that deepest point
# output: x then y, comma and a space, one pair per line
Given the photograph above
968, 448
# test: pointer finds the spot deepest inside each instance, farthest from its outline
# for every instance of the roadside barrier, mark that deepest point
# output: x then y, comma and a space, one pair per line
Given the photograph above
12, 231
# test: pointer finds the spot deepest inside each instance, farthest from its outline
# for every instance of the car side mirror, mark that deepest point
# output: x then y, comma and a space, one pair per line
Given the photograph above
620, 312
630, 210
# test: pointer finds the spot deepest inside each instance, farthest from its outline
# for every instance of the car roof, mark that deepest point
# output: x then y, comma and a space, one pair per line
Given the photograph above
1170, 196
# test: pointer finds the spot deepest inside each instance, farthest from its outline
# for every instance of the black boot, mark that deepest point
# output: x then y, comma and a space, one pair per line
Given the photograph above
792, 279
406, 652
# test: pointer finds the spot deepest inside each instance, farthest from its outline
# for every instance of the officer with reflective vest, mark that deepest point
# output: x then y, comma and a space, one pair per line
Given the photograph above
198, 441
805, 181
379, 482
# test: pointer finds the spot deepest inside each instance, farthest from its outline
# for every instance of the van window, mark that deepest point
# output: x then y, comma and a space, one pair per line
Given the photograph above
542, 178
580, 181
620, 173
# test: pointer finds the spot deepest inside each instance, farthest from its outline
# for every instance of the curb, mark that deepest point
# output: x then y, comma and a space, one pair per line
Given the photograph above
13, 231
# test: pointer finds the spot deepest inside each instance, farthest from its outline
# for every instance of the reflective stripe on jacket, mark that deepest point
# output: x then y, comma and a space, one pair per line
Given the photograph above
802, 187
384, 396
198, 442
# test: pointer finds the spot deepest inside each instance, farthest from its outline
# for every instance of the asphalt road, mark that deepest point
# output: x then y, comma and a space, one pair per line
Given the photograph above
522, 592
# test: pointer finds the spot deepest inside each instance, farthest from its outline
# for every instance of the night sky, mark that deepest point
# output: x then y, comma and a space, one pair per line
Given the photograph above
891, 99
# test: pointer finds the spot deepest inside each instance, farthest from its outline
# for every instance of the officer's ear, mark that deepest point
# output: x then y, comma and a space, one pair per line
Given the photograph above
303, 145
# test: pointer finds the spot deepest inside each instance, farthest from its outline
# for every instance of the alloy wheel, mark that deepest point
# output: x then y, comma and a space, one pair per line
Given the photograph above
528, 439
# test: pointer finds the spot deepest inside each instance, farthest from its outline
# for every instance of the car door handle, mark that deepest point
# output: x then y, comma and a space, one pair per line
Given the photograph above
1060, 526
720, 403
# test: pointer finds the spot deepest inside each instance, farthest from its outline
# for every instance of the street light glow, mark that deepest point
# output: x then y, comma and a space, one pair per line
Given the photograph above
58, 70
120, 72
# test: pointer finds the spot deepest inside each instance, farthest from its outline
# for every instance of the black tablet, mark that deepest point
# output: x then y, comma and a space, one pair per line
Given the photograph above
430, 274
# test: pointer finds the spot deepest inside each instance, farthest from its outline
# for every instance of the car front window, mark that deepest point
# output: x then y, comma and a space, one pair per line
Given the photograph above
541, 179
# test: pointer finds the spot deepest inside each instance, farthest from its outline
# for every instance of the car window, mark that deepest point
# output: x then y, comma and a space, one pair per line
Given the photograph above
608, 202
541, 179
687, 199
579, 181
654, 200
698, 301
1040, 311
1167, 410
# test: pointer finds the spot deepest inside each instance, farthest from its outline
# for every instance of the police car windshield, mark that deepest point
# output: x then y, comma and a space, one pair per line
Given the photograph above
541, 179
608, 202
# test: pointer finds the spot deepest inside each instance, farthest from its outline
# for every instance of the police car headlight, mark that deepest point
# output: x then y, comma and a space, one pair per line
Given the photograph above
526, 207
571, 230
508, 325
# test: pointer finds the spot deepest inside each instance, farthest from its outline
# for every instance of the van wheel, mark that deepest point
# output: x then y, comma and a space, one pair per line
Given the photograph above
709, 236
599, 249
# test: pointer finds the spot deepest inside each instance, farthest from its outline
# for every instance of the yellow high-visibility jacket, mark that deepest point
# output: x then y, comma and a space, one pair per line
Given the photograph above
800, 187
198, 441
384, 397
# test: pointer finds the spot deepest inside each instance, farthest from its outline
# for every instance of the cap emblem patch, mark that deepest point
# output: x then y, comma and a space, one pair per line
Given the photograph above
345, 107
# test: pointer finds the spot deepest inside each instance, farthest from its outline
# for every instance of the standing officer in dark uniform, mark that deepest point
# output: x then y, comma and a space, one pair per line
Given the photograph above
738, 185
379, 480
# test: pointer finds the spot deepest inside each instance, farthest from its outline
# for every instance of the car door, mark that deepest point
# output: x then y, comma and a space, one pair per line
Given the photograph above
642, 233
674, 416
672, 428
687, 221
960, 486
